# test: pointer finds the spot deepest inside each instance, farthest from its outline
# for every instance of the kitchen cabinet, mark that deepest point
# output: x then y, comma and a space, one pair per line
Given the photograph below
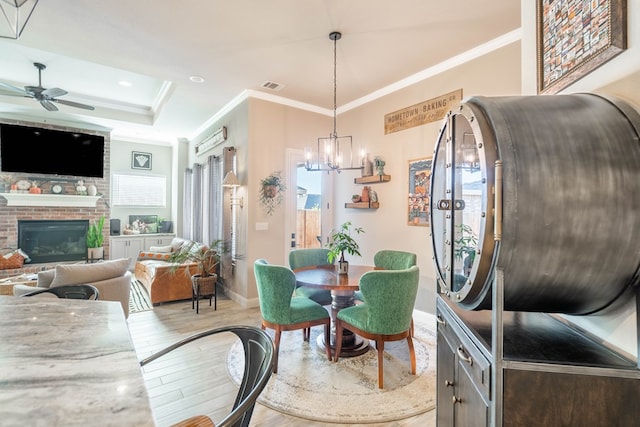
128, 246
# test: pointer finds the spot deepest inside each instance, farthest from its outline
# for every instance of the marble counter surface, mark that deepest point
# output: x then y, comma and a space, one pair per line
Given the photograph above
68, 362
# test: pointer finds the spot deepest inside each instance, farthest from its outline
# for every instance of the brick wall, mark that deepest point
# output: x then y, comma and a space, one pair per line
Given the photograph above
9, 215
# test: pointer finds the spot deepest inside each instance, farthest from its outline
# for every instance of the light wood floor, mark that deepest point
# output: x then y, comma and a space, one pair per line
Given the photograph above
194, 380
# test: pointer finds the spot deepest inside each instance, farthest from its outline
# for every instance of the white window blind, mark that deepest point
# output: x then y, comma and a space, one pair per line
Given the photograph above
139, 190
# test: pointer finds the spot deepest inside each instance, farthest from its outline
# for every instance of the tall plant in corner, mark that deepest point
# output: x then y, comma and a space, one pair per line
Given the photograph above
95, 239
340, 242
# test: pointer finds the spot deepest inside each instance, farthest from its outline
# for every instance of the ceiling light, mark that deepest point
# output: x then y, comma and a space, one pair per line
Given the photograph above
16, 13
196, 79
337, 150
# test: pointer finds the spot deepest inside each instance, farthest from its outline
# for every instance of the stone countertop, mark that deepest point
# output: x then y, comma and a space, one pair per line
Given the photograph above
69, 362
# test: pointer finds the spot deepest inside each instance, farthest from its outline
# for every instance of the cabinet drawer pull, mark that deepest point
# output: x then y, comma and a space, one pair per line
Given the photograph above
440, 320
448, 383
456, 400
462, 354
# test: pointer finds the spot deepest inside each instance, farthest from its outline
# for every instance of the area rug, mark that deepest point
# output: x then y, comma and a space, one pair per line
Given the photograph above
309, 386
139, 299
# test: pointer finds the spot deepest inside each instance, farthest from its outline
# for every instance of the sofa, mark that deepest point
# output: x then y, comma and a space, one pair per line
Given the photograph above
165, 281
112, 278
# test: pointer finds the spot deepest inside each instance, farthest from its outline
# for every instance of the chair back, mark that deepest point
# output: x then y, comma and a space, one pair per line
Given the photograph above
394, 260
275, 284
259, 359
88, 292
299, 258
390, 296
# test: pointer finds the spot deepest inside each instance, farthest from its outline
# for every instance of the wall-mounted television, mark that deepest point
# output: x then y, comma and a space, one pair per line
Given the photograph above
25, 149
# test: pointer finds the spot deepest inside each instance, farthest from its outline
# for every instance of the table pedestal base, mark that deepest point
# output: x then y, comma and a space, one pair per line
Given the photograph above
352, 345
356, 347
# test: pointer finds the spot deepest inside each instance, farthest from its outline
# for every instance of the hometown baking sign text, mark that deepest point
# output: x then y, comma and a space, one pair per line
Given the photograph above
419, 114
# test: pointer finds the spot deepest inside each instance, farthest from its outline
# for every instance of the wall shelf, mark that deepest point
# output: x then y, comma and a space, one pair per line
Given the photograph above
373, 179
64, 200
363, 205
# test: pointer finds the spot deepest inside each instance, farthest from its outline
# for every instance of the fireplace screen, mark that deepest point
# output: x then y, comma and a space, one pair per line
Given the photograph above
53, 241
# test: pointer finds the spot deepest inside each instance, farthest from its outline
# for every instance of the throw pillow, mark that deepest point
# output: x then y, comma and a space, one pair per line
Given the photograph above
176, 243
74, 274
45, 278
161, 249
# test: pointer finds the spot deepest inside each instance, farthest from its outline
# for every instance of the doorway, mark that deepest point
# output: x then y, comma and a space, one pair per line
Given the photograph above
308, 207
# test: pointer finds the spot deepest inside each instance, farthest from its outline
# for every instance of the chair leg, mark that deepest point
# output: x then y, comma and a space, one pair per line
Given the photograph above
380, 347
412, 355
411, 329
338, 340
277, 346
327, 340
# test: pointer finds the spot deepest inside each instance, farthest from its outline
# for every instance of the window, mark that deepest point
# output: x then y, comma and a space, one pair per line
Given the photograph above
139, 190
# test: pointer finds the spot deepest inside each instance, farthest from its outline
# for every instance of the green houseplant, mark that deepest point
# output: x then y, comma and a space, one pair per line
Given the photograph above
271, 192
341, 241
206, 259
465, 247
95, 239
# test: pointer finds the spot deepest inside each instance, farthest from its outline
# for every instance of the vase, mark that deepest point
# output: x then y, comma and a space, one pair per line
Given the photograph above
95, 254
92, 190
343, 267
367, 169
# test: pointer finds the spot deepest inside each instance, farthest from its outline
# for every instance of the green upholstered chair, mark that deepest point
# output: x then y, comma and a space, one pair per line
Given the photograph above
385, 315
391, 260
299, 258
281, 310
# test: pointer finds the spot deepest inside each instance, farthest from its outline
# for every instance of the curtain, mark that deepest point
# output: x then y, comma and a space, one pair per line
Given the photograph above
203, 201
214, 205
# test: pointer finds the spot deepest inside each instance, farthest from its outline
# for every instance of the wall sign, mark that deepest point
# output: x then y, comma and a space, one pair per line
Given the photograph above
214, 139
425, 112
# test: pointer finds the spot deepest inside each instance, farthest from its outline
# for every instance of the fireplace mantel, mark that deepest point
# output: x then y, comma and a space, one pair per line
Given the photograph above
65, 200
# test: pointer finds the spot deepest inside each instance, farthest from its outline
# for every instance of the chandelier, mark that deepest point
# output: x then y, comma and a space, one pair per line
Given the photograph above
16, 14
334, 153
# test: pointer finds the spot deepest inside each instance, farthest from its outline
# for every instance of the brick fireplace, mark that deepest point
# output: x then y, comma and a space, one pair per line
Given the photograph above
10, 215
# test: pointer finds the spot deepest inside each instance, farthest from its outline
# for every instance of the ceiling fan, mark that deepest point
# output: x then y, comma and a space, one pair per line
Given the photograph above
46, 97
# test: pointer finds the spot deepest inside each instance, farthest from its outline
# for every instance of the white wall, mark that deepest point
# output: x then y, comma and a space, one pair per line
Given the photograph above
161, 162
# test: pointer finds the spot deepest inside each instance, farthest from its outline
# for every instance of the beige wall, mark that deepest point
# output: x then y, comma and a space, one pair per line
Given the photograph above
386, 228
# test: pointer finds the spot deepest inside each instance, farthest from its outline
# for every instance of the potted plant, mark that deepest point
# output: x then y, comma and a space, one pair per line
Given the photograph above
465, 247
271, 192
340, 242
95, 250
206, 259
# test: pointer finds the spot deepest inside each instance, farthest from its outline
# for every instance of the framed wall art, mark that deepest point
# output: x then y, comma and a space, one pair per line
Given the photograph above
140, 160
574, 37
419, 183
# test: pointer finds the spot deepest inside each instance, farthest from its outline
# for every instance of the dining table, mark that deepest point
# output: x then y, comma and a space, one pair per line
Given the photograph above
343, 288
69, 362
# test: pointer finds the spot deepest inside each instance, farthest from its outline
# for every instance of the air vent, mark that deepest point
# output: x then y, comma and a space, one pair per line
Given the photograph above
272, 85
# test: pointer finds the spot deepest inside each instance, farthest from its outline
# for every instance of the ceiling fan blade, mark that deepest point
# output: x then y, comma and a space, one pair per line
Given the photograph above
74, 104
13, 90
54, 92
48, 105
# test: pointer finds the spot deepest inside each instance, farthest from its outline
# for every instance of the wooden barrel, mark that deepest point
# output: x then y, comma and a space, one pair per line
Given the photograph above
558, 177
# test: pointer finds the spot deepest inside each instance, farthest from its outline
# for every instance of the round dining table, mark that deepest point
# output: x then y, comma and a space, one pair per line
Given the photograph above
342, 287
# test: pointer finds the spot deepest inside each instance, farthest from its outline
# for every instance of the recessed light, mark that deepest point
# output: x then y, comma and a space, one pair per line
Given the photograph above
125, 83
196, 79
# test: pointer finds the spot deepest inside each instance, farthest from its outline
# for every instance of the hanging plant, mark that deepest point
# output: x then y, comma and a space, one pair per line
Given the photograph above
271, 192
